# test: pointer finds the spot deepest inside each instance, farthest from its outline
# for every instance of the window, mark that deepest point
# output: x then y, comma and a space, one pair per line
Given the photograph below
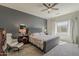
62, 27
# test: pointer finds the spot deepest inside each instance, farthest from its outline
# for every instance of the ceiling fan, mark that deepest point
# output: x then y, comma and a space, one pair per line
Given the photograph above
49, 7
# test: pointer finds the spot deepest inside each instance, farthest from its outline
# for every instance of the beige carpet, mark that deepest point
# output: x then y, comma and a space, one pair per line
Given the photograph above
27, 50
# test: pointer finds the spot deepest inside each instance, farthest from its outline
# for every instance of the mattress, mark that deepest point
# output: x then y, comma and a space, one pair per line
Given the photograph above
66, 49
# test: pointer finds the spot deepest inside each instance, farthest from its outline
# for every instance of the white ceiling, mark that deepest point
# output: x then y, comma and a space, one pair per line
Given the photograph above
35, 9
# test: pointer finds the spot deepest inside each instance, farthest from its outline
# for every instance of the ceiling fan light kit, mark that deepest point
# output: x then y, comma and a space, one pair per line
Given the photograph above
50, 7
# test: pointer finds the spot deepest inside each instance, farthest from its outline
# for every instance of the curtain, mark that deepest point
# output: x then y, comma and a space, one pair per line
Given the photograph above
74, 26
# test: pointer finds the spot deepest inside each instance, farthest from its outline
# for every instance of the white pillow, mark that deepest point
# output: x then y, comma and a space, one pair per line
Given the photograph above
42, 33
36, 34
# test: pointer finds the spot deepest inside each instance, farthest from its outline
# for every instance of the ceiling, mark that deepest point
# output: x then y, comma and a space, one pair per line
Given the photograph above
35, 9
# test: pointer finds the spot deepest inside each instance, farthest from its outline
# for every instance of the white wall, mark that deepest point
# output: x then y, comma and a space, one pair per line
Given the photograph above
70, 16
50, 26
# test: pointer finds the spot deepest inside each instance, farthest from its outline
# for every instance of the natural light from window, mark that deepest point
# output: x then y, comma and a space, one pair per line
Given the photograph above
62, 27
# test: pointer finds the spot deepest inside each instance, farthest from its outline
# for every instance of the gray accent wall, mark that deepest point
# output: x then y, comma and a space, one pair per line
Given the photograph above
10, 19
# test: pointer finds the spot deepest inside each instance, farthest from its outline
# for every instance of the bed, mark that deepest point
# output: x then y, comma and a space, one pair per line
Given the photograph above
66, 49
44, 42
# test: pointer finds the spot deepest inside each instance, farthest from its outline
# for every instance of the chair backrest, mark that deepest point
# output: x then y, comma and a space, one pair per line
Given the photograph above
9, 38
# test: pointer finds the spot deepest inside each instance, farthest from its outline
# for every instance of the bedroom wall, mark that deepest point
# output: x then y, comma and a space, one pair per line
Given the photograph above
10, 19
70, 16
51, 26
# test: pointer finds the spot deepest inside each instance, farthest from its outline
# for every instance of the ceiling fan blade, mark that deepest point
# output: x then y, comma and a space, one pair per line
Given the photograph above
55, 8
45, 5
49, 4
44, 9
54, 5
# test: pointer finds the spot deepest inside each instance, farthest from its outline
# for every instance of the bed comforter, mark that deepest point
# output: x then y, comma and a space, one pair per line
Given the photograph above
44, 42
